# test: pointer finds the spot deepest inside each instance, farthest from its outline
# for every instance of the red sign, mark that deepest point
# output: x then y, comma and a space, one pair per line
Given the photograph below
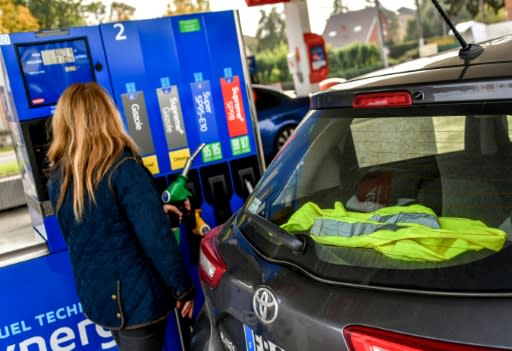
263, 2
234, 106
317, 55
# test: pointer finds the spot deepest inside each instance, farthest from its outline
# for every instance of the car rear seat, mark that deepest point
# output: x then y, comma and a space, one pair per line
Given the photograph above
476, 182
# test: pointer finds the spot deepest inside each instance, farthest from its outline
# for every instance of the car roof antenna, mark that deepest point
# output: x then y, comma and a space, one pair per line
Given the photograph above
468, 52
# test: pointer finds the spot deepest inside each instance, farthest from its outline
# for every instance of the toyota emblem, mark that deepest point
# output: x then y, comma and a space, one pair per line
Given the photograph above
264, 303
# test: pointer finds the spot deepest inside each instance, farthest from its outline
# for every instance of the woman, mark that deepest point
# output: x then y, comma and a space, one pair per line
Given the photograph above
128, 269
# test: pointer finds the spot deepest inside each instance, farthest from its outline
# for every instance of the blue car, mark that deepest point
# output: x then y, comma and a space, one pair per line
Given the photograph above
278, 116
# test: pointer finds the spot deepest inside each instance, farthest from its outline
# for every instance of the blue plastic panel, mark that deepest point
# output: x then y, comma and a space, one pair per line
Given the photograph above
23, 94
50, 67
41, 311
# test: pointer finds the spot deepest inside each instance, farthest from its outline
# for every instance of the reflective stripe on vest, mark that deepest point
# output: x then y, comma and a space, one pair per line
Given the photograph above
414, 234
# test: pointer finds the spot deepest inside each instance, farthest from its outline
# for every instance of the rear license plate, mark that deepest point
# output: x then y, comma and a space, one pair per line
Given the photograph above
255, 342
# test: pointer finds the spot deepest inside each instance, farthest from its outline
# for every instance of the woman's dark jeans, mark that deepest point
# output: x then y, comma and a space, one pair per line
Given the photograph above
148, 338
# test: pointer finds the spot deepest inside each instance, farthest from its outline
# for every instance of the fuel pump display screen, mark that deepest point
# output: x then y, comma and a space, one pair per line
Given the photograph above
50, 67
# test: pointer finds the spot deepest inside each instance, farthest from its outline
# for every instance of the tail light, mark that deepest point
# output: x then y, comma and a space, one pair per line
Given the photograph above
211, 265
382, 99
361, 338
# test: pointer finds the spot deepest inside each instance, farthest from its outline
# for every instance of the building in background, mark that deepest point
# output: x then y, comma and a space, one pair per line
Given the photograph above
475, 32
356, 26
404, 15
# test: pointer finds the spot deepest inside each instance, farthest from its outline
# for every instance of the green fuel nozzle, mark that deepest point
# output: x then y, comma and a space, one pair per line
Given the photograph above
177, 191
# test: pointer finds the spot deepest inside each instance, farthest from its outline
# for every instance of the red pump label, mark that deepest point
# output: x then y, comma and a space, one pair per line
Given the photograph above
234, 106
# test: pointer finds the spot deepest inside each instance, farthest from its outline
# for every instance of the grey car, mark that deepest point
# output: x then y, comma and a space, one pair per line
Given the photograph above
383, 225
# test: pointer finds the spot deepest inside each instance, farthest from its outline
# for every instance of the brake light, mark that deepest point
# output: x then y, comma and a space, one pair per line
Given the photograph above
361, 338
211, 265
382, 99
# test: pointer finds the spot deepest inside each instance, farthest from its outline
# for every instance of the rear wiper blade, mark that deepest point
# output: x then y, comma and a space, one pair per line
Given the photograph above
286, 238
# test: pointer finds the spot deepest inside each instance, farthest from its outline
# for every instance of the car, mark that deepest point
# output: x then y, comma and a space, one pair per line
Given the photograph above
383, 224
278, 115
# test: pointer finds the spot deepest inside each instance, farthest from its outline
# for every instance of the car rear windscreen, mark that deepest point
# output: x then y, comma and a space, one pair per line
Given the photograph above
419, 202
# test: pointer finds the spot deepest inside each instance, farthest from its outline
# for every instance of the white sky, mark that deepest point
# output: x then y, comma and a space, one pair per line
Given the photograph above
319, 10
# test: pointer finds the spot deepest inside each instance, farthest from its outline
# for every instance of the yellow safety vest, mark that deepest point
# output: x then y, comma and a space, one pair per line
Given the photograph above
410, 233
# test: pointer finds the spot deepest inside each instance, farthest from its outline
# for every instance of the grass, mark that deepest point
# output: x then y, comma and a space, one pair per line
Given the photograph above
6, 149
11, 167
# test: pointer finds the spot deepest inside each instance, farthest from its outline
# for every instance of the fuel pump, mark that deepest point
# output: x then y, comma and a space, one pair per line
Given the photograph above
177, 194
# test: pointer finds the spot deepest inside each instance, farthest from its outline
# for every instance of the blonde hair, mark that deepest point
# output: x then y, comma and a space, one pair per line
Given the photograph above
88, 136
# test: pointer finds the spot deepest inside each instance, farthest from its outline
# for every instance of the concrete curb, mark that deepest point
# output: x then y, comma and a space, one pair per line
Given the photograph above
11, 192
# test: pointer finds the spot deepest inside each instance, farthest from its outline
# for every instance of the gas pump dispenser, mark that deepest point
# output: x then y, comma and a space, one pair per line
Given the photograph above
37, 68
181, 83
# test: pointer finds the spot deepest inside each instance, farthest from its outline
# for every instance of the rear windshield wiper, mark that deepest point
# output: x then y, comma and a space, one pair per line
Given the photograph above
289, 240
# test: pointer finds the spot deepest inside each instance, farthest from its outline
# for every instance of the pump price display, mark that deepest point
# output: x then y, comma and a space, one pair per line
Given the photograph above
212, 152
57, 56
240, 145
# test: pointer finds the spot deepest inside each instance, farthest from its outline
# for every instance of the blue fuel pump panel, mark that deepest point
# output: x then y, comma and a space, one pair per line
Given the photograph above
38, 67
178, 82
41, 65
213, 74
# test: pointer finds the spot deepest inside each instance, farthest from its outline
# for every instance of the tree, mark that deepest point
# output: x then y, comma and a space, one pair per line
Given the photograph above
16, 18
176, 7
432, 23
473, 6
338, 7
53, 14
95, 12
120, 11
271, 30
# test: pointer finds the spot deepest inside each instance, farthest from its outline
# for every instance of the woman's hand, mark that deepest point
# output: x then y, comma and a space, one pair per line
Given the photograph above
186, 307
168, 208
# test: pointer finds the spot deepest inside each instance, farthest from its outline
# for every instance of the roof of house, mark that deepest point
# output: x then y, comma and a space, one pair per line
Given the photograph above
345, 28
405, 11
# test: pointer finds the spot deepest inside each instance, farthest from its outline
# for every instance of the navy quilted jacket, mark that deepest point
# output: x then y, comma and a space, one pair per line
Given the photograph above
127, 265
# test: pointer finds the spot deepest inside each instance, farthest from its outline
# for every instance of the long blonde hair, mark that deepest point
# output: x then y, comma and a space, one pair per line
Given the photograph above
88, 136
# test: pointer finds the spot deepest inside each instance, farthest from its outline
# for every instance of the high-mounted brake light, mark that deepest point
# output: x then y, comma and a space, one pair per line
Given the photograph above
361, 338
211, 265
382, 99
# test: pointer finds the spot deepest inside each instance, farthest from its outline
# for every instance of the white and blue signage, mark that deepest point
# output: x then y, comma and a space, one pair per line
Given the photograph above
204, 109
40, 310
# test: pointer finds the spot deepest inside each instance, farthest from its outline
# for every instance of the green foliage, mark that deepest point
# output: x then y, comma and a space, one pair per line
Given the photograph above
472, 6
353, 60
489, 16
16, 18
120, 11
271, 30
273, 65
396, 51
9, 168
8, 148
358, 55
177, 7
432, 23
54, 14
